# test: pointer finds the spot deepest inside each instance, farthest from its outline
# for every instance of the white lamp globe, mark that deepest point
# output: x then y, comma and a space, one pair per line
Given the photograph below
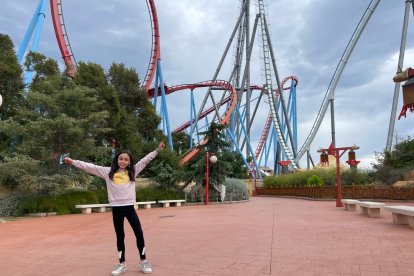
1, 100
213, 159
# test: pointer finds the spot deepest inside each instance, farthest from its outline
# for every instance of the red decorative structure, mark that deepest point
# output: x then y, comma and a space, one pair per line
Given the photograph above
352, 162
405, 108
408, 90
338, 152
284, 165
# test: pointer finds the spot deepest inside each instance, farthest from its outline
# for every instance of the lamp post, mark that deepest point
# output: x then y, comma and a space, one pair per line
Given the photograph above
337, 152
213, 159
255, 183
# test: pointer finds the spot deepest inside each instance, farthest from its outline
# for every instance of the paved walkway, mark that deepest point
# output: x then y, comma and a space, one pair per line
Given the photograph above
266, 236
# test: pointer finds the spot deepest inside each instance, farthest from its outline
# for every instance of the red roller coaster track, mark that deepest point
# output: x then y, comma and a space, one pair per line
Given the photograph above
225, 119
156, 48
185, 125
65, 50
60, 31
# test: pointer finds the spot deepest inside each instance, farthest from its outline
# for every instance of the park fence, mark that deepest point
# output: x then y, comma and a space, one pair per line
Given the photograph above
330, 192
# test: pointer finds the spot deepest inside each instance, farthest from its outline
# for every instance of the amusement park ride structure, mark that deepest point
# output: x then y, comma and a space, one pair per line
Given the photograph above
235, 108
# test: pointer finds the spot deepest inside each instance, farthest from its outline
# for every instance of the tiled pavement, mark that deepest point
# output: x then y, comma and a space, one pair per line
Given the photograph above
265, 236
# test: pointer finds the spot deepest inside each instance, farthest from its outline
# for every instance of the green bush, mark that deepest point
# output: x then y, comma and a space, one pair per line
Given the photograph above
15, 169
360, 177
62, 204
153, 192
65, 203
315, 180
328, 177
237, 187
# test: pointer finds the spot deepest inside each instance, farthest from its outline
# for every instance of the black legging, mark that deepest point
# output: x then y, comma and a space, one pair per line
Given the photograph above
118, 215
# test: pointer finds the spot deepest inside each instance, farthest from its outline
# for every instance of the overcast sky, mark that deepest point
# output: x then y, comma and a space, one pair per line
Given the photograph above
308, 37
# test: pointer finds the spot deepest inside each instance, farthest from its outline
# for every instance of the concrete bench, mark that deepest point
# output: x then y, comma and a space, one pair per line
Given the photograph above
101, 208
350, 204
402, 214
371, 209
166, 203
146, 204
87, 208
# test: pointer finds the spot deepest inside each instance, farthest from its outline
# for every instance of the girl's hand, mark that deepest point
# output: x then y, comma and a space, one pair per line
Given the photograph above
68, 160
161, 146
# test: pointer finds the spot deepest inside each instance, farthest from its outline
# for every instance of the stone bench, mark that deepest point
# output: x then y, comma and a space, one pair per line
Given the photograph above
402, 214
146, 204
371, 209
350, 204
166, 203
101, 208
87, 208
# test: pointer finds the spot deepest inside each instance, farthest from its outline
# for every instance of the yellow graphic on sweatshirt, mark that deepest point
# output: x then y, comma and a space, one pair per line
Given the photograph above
121, 178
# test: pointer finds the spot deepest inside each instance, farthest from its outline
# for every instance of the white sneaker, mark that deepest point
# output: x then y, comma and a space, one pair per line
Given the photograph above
119, 269
145, 267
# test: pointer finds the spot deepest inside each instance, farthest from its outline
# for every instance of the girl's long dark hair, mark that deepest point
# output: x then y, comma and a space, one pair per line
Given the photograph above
115, 167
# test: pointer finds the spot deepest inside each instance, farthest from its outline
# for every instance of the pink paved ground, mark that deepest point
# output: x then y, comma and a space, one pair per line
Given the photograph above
266, 236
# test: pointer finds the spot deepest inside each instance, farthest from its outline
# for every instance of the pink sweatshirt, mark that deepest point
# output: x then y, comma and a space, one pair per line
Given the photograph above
120, 194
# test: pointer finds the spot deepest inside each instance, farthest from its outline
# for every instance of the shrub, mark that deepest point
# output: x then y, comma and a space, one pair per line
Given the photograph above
360, 177
154, 192
62, 204
166, 176
14, 169
315, 180
328, 177
236, 189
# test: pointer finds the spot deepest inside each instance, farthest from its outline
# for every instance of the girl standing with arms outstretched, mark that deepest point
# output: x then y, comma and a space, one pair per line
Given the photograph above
120, 184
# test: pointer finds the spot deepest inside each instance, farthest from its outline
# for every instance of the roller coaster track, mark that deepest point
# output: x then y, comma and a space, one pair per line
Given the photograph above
62, 37
156, 49
268, 60
224, 101
67, 53
269, 118
225, 119
337, 75
208, 110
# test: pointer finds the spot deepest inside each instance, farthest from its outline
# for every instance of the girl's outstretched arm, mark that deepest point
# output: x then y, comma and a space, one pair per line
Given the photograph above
98, 171
144, 161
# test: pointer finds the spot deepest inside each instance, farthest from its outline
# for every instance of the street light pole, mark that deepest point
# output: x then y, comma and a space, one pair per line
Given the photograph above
336, 152
255, 184
338, 180
210, 158
207, 157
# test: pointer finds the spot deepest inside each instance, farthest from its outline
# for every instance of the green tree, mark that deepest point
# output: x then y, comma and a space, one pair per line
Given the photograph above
11, 81
226, 161
137, 113
41, 66
93, 76
57, 117
392, 166
82, 116
181, 142
237, 168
